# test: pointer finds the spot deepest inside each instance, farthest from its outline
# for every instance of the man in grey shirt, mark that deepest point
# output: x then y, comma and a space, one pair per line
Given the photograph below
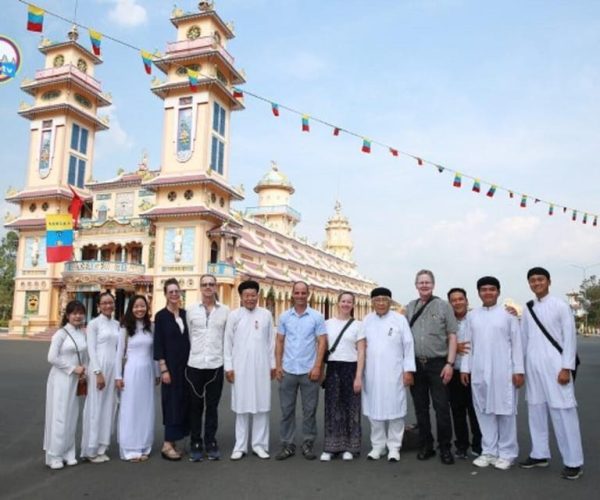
434, 327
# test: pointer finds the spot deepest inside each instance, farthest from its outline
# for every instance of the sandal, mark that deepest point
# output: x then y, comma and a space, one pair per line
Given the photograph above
170, 453
135, 460
143, 458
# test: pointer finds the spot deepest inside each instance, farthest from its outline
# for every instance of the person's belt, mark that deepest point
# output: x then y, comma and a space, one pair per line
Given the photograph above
424, 359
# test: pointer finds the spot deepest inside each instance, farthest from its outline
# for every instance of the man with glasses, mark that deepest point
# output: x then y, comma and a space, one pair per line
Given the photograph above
434, 329
206, 324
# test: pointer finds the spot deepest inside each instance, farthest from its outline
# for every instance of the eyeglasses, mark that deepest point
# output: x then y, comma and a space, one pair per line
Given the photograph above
207, 285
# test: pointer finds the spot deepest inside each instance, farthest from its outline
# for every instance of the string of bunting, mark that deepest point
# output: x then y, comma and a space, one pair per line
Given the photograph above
35, 20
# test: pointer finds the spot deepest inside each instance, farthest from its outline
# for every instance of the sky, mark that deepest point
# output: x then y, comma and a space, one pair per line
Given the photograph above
507, 92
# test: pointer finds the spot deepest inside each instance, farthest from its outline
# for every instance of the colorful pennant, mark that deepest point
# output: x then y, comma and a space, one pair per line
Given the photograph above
238, 94
366, 146
491, 192
476, 186
524, 201
336, 131
147, 60
394, 152
305, 123
511, 194
457, 180
96, 39
275, 109
440, 169
551, 210
574, 215
595, 223
35, 18
59, 237
193, 78
75, 208
584, 221
419, 162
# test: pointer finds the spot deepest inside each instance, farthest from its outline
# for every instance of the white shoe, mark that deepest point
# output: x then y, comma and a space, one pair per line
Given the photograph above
104, 457
394, 456
325, 457
98, 459
71, 463
237, 455
260, 452
503, 464
374, 454
347, 456
56, 464
484, 460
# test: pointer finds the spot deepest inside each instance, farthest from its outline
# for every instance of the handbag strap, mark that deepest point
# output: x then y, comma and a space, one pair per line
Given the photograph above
550, 338
415, 316
76, 348
339, 337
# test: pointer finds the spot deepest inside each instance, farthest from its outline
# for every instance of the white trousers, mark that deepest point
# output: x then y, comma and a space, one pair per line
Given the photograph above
392, 438
566, 429
260, 431
498, 435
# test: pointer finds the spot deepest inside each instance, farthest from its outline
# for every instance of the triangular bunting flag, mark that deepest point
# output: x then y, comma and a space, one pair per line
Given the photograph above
96, 39
147, 60
35, 18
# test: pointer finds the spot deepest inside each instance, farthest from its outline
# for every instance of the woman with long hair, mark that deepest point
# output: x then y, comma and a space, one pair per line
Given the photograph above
343, 382
171, 350
136, 376
101, 402
68, 357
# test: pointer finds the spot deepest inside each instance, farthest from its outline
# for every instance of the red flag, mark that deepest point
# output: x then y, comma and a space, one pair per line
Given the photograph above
419, 162
75, 207
394, 152
336, 131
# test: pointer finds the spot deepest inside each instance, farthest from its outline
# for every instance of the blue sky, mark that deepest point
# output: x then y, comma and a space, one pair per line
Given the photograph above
505, 91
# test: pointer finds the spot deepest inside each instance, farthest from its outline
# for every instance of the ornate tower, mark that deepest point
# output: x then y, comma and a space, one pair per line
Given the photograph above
339, 241
274, 210
64, 123
193, 195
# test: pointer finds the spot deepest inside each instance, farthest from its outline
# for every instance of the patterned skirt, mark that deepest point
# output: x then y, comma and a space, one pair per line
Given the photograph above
342, 409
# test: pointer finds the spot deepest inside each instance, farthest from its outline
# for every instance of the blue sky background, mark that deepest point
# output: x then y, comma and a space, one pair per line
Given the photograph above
506, 91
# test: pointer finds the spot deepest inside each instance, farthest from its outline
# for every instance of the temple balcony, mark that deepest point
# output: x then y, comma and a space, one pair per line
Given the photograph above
99, 267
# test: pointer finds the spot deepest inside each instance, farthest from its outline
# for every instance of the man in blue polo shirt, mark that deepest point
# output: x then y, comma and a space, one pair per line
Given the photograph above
299, 351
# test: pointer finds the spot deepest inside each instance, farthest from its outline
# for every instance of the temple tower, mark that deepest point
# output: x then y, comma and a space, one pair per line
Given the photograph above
338, 240
195, 233
64, 122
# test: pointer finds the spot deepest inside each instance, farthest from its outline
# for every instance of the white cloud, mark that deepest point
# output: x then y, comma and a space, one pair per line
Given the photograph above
128, 13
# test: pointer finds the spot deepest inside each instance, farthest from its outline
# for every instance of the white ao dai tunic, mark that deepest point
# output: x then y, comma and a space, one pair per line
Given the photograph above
390, 353
250, 352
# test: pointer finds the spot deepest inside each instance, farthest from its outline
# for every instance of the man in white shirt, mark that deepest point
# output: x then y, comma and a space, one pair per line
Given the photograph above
206, 324
250, 367
550, 386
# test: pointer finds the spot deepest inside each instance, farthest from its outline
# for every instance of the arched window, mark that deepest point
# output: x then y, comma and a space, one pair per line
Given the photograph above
214, 252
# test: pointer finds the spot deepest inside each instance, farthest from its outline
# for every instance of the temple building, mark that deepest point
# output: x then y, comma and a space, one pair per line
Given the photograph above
145, 226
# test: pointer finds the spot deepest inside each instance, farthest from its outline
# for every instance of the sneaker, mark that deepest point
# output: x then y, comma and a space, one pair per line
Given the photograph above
104, 457
212, 452
260, 452
530, 463
307, 450
237, 455
98, 459
503, 464
325, 457
394, 456
425, 453
286, 452
461, 454
72, 462
196, 452
484, 460
446, 457
347, 456
56, 464
571, 473
375, 454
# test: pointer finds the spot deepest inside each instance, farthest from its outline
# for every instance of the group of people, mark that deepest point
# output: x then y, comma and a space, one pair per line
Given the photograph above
469, 364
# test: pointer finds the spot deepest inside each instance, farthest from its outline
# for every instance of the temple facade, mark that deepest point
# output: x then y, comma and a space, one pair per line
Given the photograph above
147, 225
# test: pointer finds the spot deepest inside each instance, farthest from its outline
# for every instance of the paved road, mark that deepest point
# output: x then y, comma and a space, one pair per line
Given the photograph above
23, 372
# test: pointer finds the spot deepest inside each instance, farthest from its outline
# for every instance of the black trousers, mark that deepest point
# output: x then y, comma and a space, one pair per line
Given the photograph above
428, 382
461, 402
205, 387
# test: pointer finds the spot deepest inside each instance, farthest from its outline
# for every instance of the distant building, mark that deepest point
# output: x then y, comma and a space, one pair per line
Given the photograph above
141, 228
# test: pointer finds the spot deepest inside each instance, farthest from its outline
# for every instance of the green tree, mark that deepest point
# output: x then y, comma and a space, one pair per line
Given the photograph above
8, 258
589, 296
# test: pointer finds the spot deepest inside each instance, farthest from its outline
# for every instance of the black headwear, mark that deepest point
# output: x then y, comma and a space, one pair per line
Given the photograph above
248, 284
381, 292
538, 270
488, 280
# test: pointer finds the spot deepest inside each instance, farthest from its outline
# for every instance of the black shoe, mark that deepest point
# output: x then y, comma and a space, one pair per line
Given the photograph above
196, 452
425, 454
446, 457
285, 453
530, 463
460, 453
212, 452
571, 473
307, 450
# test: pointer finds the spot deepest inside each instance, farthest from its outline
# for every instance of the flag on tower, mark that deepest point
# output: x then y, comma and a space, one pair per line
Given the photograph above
96, 39
75, 207
59, 237
35, 18
366, 146
147, 60
491, 192
275, 109
305, 124
237, 94
476, 186
457, 180
193, 77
